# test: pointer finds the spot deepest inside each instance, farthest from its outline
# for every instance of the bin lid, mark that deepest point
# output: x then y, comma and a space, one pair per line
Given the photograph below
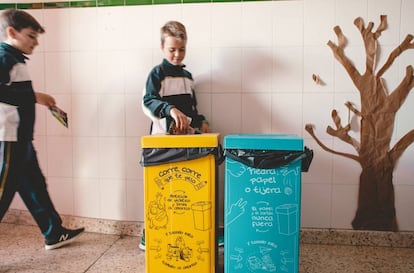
283, 142
180, 141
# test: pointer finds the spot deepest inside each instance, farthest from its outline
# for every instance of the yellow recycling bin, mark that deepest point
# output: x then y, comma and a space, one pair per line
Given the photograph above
180, 202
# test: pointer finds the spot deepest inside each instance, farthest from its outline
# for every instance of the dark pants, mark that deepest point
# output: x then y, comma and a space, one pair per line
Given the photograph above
20, 172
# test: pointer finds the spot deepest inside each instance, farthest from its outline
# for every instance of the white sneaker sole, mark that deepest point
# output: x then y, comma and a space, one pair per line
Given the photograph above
63, 243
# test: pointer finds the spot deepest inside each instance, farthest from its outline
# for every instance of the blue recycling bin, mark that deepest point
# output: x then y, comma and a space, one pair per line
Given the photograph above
262, 202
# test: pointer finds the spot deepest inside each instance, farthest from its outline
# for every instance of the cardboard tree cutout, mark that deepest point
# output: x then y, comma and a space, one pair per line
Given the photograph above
376, 209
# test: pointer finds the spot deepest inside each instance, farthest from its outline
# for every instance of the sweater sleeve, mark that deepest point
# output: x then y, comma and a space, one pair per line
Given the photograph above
152, 102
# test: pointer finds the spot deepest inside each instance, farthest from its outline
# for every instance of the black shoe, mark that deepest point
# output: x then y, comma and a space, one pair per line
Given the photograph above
63, 237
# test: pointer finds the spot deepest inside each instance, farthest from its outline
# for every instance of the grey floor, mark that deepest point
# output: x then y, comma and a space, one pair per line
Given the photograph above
22, 250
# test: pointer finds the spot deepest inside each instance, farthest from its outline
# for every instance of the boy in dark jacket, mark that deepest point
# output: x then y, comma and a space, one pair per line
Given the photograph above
169, 98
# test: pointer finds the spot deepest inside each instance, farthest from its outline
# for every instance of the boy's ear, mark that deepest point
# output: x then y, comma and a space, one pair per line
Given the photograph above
11, 32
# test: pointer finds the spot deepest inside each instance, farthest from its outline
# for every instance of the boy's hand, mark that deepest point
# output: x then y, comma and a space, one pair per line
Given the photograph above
181, 120
45, 99
205, 128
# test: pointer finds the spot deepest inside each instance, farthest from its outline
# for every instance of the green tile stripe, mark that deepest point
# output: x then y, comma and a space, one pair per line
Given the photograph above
109, 3
82, 4
137, 2
53, 5
7, 6
29, 6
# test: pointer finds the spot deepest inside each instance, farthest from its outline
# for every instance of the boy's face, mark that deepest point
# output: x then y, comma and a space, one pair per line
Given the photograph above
174, 50
24, 40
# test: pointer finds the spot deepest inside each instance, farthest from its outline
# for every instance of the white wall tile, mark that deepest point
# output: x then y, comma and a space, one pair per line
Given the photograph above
287, 113
58, 30
226, 69
198, 63
256, 30
407, 6
134, 197
198, 31
137, 20
288, 23
319, 21
113, 199
61, 192
137, 65
85, 115
111, 72
287, 69
57, 72
257, 68
111, 30
84, 71
136, 123
226, 113
133, 152
59, 156
404, 207
319, 61
316, 205
87, 195
111, 118
83, 35
85, 157
256, 114
226, 24
112, 158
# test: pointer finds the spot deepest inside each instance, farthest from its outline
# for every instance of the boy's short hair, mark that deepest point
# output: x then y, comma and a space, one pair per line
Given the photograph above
17, 19
173, 29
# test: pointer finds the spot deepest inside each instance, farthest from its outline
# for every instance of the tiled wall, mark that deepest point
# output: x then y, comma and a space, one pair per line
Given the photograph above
253, 64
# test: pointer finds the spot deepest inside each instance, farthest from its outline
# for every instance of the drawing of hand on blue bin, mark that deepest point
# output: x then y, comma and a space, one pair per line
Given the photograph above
236, 210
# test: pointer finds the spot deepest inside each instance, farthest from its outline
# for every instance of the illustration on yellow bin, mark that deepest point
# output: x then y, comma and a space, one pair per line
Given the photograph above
180, 202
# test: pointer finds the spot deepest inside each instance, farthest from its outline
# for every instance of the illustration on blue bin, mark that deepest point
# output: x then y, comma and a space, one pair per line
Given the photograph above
264, 209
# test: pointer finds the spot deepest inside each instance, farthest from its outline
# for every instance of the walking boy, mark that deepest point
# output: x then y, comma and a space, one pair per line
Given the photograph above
19, 167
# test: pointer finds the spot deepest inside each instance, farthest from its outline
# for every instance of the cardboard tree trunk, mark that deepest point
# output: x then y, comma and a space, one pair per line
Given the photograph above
376, 206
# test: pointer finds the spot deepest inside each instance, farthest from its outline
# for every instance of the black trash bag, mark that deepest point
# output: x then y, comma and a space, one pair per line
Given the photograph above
270, 159
158, 156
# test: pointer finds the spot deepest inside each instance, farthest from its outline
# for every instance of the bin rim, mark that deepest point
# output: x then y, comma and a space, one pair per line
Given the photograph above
180, 141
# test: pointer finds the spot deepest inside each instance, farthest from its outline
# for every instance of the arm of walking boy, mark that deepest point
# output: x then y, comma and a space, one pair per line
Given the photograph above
45, 99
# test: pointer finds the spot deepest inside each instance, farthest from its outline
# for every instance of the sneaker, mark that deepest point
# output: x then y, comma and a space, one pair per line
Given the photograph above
142, 243
64, 237
221, 241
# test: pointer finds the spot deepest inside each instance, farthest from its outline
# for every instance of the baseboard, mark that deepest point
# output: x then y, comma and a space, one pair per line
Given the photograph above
127, 228
307, 235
